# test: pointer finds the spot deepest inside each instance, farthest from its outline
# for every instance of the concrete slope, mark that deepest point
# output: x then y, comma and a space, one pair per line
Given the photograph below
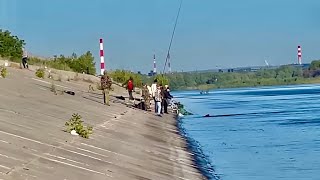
126, 143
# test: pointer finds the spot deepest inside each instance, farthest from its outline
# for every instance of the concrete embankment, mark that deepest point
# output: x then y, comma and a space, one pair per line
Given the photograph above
126, 143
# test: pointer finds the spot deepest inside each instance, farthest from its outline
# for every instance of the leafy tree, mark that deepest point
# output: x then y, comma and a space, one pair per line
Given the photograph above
122, 76
10, 45
162, 79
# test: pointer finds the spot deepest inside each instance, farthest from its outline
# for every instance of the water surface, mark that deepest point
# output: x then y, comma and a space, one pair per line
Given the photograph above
257, 133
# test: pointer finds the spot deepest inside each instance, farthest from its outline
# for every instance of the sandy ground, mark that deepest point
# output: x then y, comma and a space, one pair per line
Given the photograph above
126, 143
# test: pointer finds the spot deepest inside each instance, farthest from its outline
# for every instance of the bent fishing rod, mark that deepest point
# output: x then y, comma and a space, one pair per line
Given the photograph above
173, 32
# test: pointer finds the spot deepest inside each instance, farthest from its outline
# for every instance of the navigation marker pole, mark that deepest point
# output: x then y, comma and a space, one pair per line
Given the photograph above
101, 57
299, 55
154, 64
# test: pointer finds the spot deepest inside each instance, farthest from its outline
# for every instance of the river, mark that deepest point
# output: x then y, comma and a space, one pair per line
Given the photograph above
256, 133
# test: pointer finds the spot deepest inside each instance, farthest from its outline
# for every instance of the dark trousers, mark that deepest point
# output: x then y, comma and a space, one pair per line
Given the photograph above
155, 105
130, 95
24, 62
165, 106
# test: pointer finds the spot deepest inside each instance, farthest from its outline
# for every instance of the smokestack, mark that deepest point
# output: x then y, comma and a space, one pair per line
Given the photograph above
299, 55
154, 64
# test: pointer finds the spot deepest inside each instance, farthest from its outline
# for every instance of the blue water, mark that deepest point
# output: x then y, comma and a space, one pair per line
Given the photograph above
256, 133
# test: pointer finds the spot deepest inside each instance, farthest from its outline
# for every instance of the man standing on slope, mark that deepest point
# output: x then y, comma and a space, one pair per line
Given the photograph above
25, 58
153, 91
106, 87
130, 88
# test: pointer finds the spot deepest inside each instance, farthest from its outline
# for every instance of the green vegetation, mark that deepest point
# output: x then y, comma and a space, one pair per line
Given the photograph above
10, 46
122, 76
284, 75
182, 110
40, 73
82, 64
3, 72
75, 123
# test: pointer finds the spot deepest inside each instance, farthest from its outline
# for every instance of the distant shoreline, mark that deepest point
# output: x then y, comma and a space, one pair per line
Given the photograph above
308, 81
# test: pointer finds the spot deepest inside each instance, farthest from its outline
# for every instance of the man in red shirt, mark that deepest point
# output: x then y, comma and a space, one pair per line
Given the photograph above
130, 88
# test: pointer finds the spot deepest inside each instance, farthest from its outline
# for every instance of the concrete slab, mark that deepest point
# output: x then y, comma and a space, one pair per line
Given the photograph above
126, 144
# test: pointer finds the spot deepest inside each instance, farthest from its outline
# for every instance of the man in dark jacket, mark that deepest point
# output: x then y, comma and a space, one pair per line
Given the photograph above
166, 98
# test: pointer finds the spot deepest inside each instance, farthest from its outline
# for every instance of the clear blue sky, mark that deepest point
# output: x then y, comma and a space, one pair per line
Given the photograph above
210, 33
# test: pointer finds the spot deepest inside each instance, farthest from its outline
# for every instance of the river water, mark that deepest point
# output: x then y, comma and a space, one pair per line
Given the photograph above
255, 133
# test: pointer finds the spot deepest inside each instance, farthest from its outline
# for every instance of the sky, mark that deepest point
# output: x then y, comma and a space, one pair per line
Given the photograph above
210, 33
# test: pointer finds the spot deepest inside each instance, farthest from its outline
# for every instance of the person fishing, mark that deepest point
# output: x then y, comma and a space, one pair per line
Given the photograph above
130, 88
106, 83
153, 91
158, 99
166, 98
146, 97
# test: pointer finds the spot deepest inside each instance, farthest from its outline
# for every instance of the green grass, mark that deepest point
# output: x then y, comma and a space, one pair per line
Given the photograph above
4, 72
75, 123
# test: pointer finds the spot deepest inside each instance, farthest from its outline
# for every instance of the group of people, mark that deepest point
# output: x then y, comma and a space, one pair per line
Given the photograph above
160, 95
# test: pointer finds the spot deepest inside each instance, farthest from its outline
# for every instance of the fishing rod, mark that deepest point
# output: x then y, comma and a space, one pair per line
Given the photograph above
174, 29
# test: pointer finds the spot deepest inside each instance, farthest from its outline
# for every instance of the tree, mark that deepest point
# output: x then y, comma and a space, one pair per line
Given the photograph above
10, 45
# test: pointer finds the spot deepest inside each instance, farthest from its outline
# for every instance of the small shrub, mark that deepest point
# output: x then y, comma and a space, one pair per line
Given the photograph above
75, 123
90, 88
76, 77
4, 72
14, 65
60, 77
40, 73
53, 88
88, 80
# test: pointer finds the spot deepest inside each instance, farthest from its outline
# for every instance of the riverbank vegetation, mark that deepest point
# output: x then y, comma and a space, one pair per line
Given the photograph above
284, 75
11, 48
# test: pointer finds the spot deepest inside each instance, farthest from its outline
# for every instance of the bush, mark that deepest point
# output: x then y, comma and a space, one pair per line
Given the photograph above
40, 73
10, 46
75, 123
122, 76
53, 88
4, 72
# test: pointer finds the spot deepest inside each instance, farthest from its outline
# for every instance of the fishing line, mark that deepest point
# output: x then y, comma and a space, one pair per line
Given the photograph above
174, 29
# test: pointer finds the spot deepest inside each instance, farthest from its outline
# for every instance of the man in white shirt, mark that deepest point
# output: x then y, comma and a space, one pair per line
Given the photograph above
153, 92
24, 58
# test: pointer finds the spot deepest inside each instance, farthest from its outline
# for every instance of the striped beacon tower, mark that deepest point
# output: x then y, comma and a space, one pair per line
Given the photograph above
154, 64
299, 55
101, 57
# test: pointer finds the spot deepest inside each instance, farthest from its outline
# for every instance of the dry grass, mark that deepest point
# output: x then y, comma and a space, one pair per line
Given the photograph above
15, 65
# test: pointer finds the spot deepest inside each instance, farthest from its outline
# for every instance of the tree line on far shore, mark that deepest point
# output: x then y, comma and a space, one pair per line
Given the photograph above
11, 48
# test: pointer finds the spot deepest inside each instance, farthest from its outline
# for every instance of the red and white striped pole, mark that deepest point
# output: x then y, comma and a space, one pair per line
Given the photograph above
101, 57
154, 64
299, 55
